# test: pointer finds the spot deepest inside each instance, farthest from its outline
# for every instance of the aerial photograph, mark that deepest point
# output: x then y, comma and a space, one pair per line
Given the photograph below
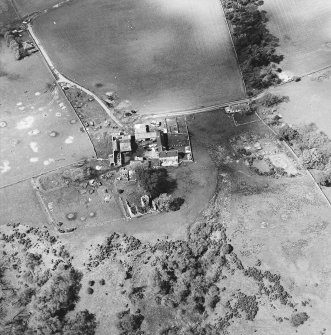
165, 167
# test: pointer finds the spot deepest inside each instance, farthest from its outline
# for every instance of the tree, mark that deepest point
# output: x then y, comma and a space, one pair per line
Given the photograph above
155, 181
255, 45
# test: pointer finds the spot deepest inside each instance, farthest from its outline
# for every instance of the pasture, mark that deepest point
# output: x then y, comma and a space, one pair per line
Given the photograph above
304, 108
159, 55
19, 203
42, 131
309, 101
304, 30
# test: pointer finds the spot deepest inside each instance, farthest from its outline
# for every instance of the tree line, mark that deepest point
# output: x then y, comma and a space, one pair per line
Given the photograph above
255, 45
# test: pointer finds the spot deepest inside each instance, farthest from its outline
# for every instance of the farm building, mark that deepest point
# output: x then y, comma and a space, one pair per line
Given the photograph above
122, 150
169, 158
161, 141
141, 132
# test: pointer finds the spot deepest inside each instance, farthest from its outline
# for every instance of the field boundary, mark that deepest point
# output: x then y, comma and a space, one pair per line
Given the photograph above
233, 47
39, 175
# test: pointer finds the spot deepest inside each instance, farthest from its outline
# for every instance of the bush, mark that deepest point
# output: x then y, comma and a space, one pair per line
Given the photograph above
313, 159
324, 178
165, 203
299, 319
176, 204
287, 133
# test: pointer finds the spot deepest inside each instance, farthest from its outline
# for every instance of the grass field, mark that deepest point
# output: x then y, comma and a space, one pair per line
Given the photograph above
19, 203
161, 56
304, 30
32, 112
309, 101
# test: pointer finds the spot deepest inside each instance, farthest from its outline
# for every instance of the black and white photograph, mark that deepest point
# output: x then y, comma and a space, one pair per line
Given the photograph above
165, 167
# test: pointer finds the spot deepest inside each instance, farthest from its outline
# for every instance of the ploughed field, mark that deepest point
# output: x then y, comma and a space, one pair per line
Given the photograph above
304, 30
160, 55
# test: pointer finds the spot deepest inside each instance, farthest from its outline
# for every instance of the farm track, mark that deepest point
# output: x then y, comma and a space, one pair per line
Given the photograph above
61, 79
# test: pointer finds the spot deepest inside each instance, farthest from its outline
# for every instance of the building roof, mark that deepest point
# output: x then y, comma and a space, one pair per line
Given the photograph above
169, 154
178, 140
160, 140
142, 136
172, 125
125, 146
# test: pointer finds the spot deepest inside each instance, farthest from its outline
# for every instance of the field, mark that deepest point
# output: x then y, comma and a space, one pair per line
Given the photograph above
19, 203
34, 111
309, 101
160, 56
304, 30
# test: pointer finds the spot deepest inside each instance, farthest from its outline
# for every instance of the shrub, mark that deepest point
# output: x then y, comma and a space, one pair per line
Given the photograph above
287, 133
313, 159
176, 203
324, 178
299, 319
